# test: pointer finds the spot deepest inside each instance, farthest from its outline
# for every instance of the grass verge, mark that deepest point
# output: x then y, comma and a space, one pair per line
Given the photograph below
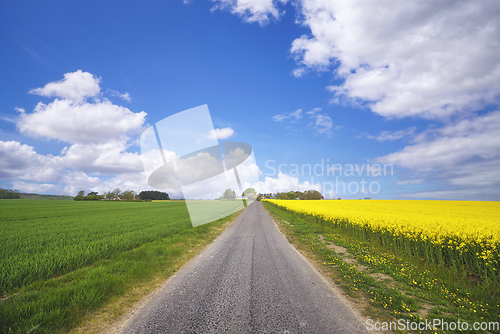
91, 298
390, 287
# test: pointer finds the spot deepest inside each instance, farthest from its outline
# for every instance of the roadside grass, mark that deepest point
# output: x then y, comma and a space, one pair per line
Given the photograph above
391, 286
110, 285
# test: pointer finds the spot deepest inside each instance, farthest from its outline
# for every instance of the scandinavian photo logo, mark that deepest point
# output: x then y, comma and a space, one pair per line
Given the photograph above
182, 154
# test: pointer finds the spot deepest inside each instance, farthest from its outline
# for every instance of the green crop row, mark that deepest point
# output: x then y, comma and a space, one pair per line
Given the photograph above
48, 238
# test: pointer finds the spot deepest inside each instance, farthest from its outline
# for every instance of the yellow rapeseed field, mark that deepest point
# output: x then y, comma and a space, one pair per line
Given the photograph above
463, 234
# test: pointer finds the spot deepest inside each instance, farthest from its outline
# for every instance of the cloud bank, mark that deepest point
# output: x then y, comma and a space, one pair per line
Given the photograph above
434, 60
98, 133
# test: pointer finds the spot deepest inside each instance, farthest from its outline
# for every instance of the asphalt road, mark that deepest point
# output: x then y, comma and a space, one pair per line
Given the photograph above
249, 280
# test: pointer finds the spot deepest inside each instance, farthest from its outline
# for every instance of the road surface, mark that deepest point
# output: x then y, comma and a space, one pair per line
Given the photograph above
249, 280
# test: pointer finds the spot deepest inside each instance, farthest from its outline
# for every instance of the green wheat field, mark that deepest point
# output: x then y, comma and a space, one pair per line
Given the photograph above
61, 259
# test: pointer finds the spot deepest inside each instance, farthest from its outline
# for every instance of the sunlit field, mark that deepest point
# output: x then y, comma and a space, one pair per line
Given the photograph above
47, 238
63, 260
462, 234
413, 260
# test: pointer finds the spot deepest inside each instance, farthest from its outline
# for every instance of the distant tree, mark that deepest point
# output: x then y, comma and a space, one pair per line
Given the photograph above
116, 193
80, 195
249, 193
268, 196
229, 194
284, 195
9, 194
153, 195
93, 196
259, 197
109, 195
127, 195
311, 195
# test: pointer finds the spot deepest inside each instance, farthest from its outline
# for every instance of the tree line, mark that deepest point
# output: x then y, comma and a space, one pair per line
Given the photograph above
117, 194
306, 195
251, 194
230, 194
8, 194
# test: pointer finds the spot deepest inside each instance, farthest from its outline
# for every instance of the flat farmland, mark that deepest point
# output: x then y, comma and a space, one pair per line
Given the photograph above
48, 238
420, 261
461, 234
71, 266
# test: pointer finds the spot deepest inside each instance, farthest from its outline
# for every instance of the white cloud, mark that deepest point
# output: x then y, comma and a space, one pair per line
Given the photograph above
65, 174
322, 124
20, 161
455, 194
37, 188
284, 183
452, 145
222, 133
98, 132
410, 181
83, 122
71, 171
75, 86
314, 111
199, 167
296, 115
235, 157
330, 194
125, 96
106, 158
70, 183
428, 58
279, 118
130, 181
250, 11
462, 154
9, 118
21, 110
202, 175
393, 135
299, 72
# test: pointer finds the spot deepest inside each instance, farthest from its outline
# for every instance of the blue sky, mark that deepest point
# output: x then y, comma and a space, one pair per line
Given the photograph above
407, 87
